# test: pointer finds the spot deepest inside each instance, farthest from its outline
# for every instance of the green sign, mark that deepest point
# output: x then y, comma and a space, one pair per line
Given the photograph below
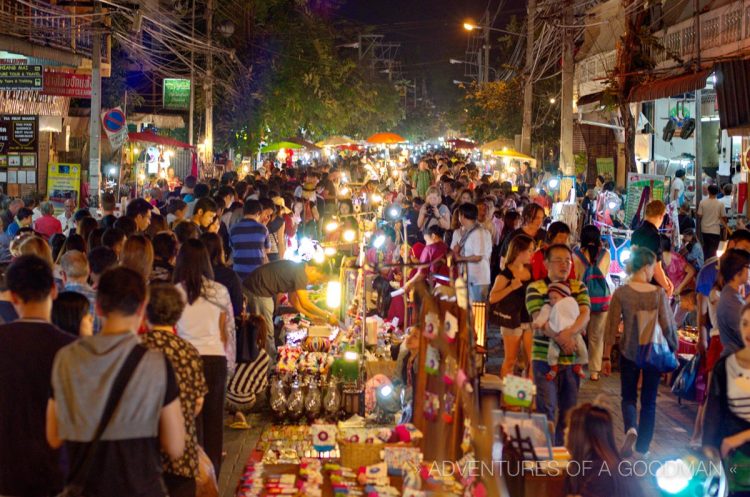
176, 94
605, 166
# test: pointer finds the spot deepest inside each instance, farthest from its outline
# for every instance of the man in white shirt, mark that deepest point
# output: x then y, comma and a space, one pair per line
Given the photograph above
678, 187
66, 218
473, 244
712, 216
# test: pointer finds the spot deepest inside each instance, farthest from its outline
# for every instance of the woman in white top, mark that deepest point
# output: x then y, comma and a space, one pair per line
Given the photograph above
208, 324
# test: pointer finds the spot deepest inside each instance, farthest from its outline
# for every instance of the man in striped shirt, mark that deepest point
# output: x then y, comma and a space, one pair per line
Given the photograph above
249, 240
562, 391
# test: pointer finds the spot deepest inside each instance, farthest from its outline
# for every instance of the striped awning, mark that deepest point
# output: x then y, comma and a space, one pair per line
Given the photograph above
668, 87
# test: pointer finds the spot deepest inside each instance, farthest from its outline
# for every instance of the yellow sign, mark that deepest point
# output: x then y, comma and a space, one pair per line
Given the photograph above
63, 182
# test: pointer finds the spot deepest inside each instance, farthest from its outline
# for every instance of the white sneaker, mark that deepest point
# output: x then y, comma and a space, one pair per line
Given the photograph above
628, 445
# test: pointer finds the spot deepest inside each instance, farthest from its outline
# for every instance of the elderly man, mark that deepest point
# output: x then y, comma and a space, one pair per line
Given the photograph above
75, 273
66, 218
560, 393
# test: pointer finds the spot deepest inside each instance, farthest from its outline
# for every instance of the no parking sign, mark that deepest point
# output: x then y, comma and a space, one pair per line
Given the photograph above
115, 126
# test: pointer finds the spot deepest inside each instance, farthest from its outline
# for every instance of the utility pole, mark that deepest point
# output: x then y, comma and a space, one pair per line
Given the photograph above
528, 86
567, 164
95, 130
698, 127
208, 85
192, 80
487, 48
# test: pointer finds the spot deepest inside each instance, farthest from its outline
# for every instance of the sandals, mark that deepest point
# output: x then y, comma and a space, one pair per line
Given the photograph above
239, 423
594, 376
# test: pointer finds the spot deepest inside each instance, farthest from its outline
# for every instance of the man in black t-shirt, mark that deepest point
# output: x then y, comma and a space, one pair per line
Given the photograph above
647, 236
148, 415
284, 276
28, 465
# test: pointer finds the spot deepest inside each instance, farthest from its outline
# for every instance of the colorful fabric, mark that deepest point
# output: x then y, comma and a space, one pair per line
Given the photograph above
537, 295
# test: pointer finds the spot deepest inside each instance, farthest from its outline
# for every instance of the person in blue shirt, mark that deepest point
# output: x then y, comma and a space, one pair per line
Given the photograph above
22, 220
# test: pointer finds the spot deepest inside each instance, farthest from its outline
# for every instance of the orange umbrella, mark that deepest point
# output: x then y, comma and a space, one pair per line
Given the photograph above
386, 139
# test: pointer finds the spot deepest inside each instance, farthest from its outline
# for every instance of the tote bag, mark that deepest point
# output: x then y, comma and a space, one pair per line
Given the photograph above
653, 350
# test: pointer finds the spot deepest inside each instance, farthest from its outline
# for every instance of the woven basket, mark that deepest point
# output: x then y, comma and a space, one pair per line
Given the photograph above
357, 454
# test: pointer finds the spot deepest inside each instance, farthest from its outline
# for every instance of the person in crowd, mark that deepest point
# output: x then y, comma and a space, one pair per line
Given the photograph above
200, 191
176, 211
734, 273
127, 225
448, 190
680, 274
684, 218
249, 240
276, 228
186, 230
223, 274
165, 306
100, 259
434, 260
139, 210
532, 217
27, 349
138, 255
108, 205
472, 244
75, 275
71, 312
557, 233
691, 249
561, 393
388, 306
165, 253
95, 239
727, 401
591, 263
642, 306
383, 252
148, 414
433, 213
205, 215
284, 276
422, 179
114, 239
66, 218
590, 440
47, 225
507, 299
34, 245
208, 323
158, 225
677, 193
85, 227
22, 220
712, 217
647, 236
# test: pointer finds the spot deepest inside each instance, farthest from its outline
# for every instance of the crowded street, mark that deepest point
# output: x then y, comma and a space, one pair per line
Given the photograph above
418, 248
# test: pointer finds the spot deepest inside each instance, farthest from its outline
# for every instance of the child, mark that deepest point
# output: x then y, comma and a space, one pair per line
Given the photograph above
561, 312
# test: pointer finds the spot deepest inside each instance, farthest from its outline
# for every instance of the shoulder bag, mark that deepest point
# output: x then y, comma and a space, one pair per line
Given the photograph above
78, 482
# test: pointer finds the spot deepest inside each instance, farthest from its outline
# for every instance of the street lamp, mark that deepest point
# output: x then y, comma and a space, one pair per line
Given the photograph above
470, 27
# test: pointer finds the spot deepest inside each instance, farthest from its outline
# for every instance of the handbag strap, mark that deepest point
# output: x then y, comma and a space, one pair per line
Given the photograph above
115, 394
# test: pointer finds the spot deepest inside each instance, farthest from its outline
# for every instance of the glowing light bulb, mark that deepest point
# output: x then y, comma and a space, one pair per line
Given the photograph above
329, 251
319, 257
112, 170
351, 356
333, 295
332, 226
386, 390
344, 192
349, 236
393, 212
379, 241
376, 198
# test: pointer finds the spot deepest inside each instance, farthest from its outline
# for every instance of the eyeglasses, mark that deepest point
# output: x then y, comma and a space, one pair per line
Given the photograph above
561, 261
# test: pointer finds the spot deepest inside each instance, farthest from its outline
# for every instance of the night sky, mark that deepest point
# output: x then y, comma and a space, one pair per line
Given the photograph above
430, 33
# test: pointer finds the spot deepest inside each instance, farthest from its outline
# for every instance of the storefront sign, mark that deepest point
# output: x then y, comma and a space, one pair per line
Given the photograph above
176, 94
637, 183
20, 77
18, 134
63, 182
605, 166
66, 84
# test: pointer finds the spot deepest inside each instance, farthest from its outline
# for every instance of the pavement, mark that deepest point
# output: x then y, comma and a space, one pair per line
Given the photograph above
674, 425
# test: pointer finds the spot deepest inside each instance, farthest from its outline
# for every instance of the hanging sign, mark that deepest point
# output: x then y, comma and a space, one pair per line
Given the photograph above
63, 183
20, 77
18, 134
66, 84
114, 125
176, 94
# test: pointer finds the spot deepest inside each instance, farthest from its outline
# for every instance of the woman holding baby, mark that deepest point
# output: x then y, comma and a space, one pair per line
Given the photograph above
639, 304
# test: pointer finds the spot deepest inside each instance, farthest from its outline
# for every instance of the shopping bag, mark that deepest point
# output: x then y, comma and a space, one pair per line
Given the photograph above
653, 350
206, 485
685, 385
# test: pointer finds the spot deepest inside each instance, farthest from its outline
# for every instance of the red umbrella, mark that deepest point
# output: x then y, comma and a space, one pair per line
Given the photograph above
386, 139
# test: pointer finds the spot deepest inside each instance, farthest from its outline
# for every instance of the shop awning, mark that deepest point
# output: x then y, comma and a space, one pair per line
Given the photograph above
733, 95
149, 137
667, 87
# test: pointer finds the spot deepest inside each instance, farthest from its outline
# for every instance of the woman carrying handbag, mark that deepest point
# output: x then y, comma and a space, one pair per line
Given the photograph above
647, 347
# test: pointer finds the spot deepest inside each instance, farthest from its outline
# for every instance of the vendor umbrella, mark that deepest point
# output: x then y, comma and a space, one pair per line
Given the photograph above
305, 144
511, 154
275, 147
336, 141
386, 139
496, 145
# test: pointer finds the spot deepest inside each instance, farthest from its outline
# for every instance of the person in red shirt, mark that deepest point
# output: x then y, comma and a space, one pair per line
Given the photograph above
557, 234
435, 253
48, 224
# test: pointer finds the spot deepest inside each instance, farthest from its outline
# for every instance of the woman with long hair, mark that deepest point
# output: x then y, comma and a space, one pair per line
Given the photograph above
222, 273
85, 227
533, 218
590, 440
507, 303
591, 263
208, 323
386, 306
138, 255
71, 312
642, 307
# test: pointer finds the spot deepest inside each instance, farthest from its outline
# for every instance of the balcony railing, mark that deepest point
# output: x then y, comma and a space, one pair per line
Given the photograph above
47, 25
725, 31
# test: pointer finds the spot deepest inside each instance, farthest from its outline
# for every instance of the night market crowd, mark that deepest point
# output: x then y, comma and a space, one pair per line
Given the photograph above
120, 349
